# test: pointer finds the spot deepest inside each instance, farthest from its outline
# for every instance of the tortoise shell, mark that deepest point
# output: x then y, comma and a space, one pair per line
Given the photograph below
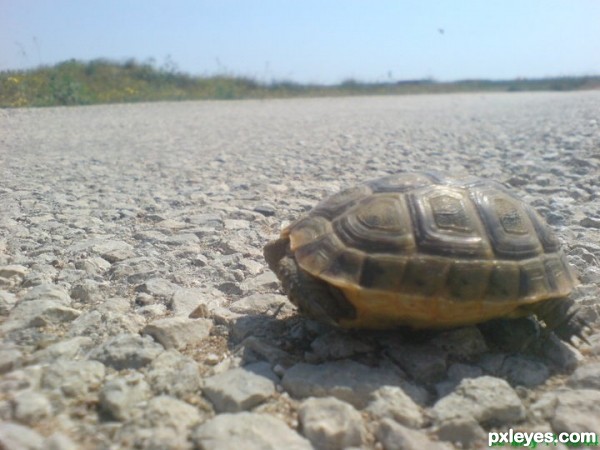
429, 251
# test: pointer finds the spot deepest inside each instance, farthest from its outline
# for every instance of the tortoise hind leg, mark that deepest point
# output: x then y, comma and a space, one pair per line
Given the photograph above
562, 316
313, 297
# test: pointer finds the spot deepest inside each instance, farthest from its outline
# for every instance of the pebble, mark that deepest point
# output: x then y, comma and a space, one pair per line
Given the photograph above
240, 389
162, 422
336, 345
18, 437
184, 301
576, 411
586, 377
74, 348
423, 363
346, 380
174, 374
524, 371
251, 431
31, 407
113, 251
127, 351
60, 441
485, 399
38, 313
73, 378
119, 396
7, 302
157, 287
393, 403
329, 423
48, 292
10, 359
260, 304
394, 436
178, 332
87, 291
464, 431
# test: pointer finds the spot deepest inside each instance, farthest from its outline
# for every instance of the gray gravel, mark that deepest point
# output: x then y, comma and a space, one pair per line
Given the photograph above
136, 310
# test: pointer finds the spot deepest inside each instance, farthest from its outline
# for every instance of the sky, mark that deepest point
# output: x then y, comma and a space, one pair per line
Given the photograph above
312, 41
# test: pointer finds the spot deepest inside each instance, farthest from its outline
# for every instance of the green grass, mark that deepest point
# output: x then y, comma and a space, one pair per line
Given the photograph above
101, 81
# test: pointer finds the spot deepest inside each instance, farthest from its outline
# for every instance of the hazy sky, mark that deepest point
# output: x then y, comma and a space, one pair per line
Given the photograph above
323, 41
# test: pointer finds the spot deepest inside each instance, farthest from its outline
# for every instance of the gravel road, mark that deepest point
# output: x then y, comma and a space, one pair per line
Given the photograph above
136, 310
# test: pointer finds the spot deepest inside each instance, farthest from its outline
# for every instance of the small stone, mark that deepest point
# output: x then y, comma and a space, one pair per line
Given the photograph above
87, 291
266, 351
422, 362
73, 348
38, 313
250, 431
158, 287
329, 423
182, 239
13, 270
336, 345
99, 323
230, 288
168, 412
266, 281
485, 399
251, 266
206, 220
240, 389
236, 224
120, 395
462, 343
590, 222
524, 371
184, 301
199, 260
10, 359
26, 378
114, 251
464, 431
7, 302
30, 407
392, 402
179, 332
560, 353
591, 275
18, 437
394, 436
576, 411
73, 378
586, 377
459, 372
174, 374
93, 266
48, 291
59, 441
136, 270
346, 380
127, 351
265, 209
246, 325
260, 304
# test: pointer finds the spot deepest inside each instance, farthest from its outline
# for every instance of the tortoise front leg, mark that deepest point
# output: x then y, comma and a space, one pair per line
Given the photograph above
313, 297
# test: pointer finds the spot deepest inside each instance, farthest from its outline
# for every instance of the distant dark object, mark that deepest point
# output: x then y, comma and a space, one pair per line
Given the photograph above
441, 30
414, 82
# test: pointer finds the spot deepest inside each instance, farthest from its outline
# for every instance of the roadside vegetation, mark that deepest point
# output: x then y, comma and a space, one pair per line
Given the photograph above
102, 81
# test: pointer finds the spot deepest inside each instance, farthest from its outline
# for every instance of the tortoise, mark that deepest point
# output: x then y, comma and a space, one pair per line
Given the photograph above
425, 251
